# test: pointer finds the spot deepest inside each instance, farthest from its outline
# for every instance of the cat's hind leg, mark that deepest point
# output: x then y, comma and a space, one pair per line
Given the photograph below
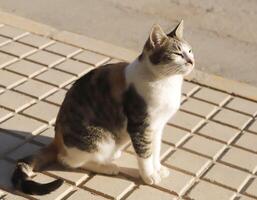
101, 161
122, 141
98, 159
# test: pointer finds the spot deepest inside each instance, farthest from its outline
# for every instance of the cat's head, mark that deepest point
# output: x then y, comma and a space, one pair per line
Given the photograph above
168, 54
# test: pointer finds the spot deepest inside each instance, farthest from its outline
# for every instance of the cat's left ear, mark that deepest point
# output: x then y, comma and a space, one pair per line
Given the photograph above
178, 31
156, 38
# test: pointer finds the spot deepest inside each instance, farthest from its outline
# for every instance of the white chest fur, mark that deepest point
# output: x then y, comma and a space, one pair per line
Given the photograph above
162, 96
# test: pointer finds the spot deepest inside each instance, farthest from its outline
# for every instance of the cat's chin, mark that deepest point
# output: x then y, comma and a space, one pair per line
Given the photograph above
187, 69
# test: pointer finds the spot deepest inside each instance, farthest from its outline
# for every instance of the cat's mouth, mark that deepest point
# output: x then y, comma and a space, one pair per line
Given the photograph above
187, 68
182, 69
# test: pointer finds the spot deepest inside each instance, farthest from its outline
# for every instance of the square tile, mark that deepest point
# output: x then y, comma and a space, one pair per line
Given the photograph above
204, 146
36, 41
36, 89
232, 118
23, 126
174, 136
86, 195
15, 101
113, 186
18, 49
150, 193
67, 87
57, 98
45, 137
248, 141
189, 88
219, 132
46, 58
26, 68
14, 196
74, 176
200, 108
63, 49
211, 192
242, 105
23, 151
2, 193
128, 165
213, 96
183, 98
186, 121
114, 60
245, 198
12, 32
227, 176
6, 59
242, 159
8, 142
9, 79
4, 114
57, 194
91, 58
4, 40
74, 67
253, 126
251, 190
55, 77
43, 111
2, 89
180, 159
177, 182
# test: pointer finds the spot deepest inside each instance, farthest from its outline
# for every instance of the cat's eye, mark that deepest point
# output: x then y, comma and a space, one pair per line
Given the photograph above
190, 50
178, 54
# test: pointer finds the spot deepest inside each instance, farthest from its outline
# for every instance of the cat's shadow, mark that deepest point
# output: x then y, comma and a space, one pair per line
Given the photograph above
10, 152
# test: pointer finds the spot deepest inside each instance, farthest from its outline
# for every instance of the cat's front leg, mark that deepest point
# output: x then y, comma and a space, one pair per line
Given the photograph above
142, 143
159, 168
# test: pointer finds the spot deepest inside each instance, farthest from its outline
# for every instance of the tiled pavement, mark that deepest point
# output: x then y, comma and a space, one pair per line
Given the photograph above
210, 146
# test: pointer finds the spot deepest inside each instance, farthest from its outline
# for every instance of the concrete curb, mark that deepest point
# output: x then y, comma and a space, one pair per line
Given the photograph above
209, 80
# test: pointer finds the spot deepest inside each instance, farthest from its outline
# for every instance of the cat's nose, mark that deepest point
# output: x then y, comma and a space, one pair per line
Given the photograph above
190, 61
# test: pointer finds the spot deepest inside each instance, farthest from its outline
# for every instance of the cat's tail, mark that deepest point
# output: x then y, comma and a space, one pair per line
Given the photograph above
21, 178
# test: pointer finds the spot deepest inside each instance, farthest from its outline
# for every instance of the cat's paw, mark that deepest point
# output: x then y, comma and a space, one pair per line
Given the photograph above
164, 172
112, 169
108, 169
151, 179
116, 155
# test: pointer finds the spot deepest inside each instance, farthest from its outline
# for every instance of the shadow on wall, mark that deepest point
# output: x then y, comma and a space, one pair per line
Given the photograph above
18, 144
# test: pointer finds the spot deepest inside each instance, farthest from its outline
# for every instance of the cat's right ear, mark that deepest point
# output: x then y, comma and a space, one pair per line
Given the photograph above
156, 38
178, 31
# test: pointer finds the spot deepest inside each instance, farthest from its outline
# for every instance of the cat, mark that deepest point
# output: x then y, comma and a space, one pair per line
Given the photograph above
112, 105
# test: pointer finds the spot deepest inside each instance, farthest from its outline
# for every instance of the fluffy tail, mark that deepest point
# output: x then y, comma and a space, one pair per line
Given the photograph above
24, 170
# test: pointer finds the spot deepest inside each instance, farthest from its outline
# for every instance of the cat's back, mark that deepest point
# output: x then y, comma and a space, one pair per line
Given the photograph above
95, 98
107, 79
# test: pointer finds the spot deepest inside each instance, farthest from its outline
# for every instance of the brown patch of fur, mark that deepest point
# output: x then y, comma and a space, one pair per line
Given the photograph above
59, 144
117, 80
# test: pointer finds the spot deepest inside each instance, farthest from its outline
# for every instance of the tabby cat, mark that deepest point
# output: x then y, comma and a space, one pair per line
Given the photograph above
112, 105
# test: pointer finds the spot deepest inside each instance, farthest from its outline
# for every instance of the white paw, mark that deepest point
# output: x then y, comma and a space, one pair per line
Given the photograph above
116, 155
111, 169
164, 172
151, 179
